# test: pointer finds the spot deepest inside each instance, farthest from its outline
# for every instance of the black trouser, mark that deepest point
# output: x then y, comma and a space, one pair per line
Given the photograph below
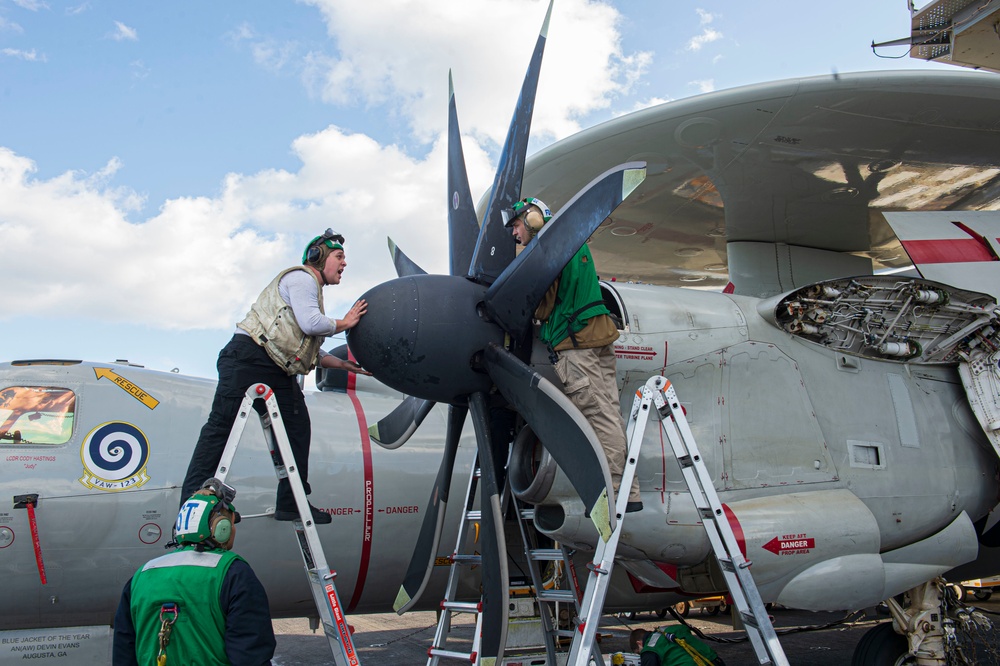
242, 363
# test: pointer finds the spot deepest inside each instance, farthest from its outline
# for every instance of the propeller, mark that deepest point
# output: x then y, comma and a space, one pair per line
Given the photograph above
422, 563
445, 338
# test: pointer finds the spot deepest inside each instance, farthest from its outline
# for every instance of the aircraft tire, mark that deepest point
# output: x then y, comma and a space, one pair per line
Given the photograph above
882, 646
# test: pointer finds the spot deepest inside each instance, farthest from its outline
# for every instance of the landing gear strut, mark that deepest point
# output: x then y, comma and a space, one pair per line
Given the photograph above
923, 631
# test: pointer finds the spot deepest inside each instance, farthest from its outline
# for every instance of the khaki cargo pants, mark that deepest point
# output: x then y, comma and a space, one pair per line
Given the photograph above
588, 377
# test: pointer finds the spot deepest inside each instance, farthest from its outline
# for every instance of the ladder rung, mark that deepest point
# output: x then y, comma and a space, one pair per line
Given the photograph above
473, 515
466, 559
565, 596
749, 619
545, 554
462, 606
450, 654
528, 514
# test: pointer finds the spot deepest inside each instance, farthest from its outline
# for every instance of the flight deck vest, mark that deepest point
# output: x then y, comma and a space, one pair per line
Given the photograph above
193, 581
271, 323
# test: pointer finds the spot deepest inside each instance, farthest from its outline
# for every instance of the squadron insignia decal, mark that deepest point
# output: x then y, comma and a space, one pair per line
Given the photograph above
114, 457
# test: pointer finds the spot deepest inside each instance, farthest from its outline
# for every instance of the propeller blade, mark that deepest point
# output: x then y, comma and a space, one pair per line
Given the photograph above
404, 265
512, 299
494, 249
562, 429
392, 430
425, 550
463, 225
496, 583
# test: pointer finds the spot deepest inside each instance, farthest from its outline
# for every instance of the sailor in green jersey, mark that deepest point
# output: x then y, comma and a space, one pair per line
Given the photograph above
672, 646
578, 330
205, 599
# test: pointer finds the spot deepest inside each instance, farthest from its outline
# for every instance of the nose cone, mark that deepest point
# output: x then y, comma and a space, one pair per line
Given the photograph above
420, 335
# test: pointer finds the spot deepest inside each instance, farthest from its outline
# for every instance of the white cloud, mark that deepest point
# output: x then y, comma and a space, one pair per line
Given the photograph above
30, 56
123, 32
10, 26
167, 268
703, 85
199, 261
31, 5
705, 17
487, 45
707, 36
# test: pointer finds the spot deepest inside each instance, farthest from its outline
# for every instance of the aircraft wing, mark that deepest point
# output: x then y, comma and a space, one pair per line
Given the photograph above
778, 185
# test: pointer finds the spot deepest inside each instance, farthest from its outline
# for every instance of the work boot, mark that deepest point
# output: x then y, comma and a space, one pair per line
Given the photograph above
318, 517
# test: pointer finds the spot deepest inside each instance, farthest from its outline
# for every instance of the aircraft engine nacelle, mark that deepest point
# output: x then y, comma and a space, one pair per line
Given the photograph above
423, 335
536, 479
818, 550
821, 550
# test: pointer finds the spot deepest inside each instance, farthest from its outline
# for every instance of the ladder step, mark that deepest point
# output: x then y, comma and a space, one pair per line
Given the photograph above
450, 654
473, 515
563, 596
545, 554
528, 514
466, 559
462, 606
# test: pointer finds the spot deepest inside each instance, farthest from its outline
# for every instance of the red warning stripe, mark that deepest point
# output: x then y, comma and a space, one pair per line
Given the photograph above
36, 542
948, 251
368, 490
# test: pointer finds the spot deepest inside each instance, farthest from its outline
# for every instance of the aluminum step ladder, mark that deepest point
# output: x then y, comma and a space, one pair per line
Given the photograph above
659, 393
320, 575
449, 605
584, 647
564, 592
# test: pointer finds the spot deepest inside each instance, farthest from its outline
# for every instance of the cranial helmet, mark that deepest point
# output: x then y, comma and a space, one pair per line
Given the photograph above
208, 516
534, 211
319, 247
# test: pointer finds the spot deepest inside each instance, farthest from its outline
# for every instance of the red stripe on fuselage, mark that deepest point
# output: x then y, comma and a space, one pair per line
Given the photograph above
734, 524
368, 489
947, 251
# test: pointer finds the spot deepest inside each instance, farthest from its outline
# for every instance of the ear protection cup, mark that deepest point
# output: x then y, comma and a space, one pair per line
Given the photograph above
534, 220
314, 253
222, 529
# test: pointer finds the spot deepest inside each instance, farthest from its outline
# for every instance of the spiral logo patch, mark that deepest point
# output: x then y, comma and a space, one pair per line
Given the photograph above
114, 457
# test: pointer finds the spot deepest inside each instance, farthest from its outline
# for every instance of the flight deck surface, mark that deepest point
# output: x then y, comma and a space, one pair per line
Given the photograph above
392, 639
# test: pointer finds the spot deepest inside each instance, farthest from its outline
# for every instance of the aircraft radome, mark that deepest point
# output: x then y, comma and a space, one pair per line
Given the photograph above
849, 418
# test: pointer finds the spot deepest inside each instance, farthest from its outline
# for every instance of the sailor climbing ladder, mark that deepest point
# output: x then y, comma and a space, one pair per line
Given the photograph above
659, 393
319, 573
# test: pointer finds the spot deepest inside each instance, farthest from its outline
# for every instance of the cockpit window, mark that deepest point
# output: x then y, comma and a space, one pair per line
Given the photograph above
36, 415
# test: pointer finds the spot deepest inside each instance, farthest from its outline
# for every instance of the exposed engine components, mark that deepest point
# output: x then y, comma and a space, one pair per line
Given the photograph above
889, 318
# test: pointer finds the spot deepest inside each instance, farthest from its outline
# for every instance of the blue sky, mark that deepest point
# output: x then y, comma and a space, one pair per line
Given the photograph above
160, 162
